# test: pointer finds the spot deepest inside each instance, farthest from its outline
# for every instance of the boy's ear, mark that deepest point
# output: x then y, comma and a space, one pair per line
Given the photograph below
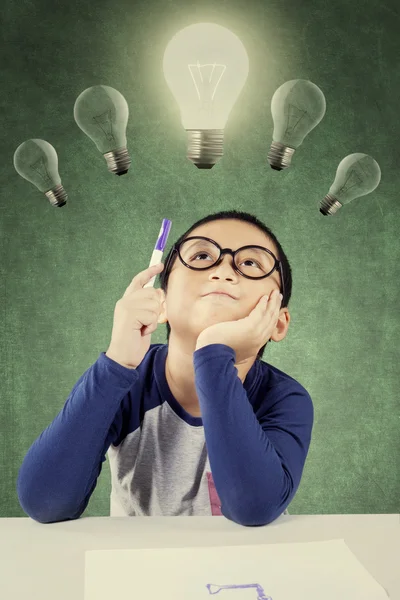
163, 313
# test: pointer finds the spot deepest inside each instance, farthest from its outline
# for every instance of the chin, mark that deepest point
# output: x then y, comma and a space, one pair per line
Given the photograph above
213, 320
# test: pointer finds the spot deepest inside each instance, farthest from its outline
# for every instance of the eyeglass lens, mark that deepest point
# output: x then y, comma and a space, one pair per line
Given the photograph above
200, 254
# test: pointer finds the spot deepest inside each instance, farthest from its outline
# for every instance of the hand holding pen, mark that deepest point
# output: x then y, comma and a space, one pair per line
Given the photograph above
136, 313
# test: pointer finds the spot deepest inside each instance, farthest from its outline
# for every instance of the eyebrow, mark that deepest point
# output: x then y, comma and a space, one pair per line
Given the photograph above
195, 242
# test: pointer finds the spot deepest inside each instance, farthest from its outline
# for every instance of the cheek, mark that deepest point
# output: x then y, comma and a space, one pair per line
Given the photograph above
184, 285
180, 299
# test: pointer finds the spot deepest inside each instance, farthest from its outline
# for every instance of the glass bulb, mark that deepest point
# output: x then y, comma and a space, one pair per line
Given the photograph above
206, 67
297, 107
37, 162
102, 113
357, 175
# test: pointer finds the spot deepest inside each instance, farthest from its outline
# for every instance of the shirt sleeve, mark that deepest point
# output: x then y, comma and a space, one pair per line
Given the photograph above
59, 473
257, 455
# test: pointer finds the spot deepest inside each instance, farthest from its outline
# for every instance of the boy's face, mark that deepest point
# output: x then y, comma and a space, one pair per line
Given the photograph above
185, 305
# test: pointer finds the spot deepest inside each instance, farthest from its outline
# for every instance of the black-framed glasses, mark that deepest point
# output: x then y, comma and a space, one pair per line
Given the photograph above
201, 253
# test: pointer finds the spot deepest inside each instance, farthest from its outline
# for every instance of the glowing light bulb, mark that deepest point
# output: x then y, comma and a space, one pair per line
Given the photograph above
206, 67
357, 175
297, 107
102, 113
37, 162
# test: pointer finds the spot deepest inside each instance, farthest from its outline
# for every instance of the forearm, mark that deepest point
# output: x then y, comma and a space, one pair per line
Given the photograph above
251, 482
60, 469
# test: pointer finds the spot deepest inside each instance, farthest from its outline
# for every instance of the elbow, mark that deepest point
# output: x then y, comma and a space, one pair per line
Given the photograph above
251, 517
258, 519
44, 510
254, 512
45, 514
264, 507
47, 517
260, 522
45, 507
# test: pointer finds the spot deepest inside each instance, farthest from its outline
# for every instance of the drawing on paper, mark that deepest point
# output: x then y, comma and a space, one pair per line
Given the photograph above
214, 589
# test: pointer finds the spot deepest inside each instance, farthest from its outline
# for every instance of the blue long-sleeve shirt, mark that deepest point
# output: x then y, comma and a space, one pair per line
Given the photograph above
243, 458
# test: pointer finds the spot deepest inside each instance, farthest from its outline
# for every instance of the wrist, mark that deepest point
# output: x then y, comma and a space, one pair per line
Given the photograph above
115, 359
204, 341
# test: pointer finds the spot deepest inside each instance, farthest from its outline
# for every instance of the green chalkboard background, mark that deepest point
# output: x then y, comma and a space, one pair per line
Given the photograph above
63, 269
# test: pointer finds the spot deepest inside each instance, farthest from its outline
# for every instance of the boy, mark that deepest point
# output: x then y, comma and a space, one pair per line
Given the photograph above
200, 426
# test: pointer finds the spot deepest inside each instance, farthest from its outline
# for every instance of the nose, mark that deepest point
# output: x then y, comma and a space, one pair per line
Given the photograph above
225, 268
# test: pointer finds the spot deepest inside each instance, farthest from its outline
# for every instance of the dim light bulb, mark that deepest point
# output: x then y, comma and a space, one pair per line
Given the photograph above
297, 107
357, 175
37, 161
102, 113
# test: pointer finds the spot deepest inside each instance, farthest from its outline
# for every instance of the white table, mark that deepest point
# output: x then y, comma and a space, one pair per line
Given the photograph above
46, 562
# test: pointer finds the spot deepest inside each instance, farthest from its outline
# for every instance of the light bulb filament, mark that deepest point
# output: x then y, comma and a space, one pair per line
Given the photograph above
208, 88
294, 117
105, 119
352, 180
41, 169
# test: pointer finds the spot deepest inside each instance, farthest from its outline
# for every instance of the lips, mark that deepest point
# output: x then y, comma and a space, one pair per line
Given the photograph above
220, 293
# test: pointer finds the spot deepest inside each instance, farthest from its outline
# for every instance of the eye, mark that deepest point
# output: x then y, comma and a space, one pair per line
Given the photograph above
253, 261
200, 254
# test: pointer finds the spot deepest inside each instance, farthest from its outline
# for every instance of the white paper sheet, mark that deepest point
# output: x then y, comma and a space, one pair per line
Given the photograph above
297, 571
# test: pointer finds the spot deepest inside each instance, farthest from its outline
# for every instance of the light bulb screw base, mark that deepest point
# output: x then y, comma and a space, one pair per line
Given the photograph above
205, 147
118, 161
329, 205
280, 156
57, 196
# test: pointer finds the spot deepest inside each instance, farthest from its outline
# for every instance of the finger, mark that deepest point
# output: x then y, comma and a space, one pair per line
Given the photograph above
266, 304
270, 304
140, 280
149, 329
275, 299
161, 294
269, 301
278, 300
261, 307
272, 308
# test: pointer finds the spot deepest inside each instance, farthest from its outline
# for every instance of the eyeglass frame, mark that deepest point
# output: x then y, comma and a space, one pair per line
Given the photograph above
277, 266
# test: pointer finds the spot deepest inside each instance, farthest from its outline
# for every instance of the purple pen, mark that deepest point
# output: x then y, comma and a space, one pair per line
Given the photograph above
159, 248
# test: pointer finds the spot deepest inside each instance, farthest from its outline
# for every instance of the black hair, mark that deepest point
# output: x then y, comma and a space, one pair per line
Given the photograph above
240, 216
